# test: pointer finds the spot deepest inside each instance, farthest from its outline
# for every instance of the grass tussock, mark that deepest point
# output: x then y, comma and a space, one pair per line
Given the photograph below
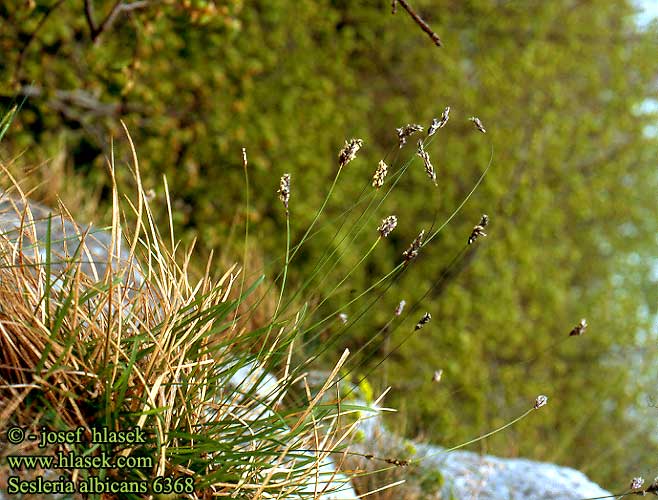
132, 339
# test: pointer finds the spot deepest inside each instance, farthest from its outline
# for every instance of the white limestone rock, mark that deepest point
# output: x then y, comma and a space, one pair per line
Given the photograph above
468, 475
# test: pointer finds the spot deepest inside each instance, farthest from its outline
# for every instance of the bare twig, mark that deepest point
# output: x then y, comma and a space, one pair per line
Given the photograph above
419, 21
118, 8
76, 98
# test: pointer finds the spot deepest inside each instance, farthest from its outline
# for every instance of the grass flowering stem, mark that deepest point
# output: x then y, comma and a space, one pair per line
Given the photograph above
484, 436
317, 215
246, 232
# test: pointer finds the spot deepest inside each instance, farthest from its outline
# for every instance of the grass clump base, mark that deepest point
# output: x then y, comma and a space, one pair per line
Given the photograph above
108, 331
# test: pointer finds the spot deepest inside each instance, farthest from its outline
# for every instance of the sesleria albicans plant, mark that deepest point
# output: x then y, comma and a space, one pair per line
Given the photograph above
111, 328
367, 220
108, 328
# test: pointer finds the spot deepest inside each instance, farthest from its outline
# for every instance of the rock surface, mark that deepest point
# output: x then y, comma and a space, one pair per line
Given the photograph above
468, 475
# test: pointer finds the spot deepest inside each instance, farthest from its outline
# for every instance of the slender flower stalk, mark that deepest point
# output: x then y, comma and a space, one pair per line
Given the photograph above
357, 144
429, 169
540, 399
380, 175
484, 436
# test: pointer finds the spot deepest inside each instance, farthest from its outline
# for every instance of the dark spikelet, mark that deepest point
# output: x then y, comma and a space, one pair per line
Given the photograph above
445, 116
478, 231
540, 401
434, 126
284, 190
380, 175
423, 321
406, 131
348, 153
478, 124
397, 462
429, 168
387, 225
636, 483
412, 252
438, 123
579, 329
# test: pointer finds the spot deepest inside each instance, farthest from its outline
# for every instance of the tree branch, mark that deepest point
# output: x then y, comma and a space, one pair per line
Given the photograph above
419, 21
118, 8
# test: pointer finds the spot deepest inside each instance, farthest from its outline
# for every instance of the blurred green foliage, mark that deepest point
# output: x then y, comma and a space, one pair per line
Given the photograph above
571, 194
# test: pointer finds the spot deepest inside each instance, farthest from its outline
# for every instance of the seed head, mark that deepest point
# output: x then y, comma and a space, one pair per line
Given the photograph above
434, 126
343, 318
579, 329
540, 401
397, 462
387, 225
478, 230
429, 169
478, 124
412, 252
400, 307
437, 124
445, 116
406, 131
437, 376
423, 321
394, 6
348, 153
284, 190
380, 175
636, 483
